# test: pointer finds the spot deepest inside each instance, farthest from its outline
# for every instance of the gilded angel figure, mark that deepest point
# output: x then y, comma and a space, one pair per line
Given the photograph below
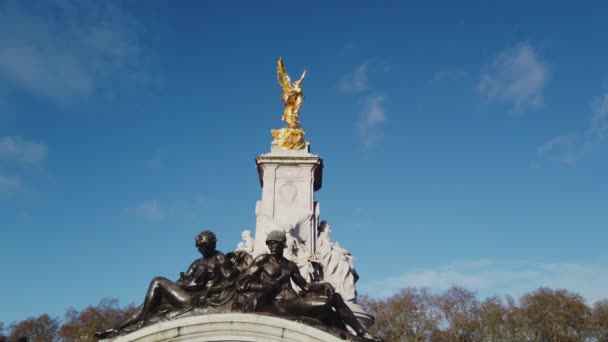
292, 136
292, 95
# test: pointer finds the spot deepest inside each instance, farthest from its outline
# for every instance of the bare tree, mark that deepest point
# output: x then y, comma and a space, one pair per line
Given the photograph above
39, 329
515, 324
544, 315
599, 320
493, 317
555, 315
79, 326
408, 315
3, 338
460, 311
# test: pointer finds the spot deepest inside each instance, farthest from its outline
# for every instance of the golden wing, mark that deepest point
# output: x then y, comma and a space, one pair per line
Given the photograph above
299, 82
284, 79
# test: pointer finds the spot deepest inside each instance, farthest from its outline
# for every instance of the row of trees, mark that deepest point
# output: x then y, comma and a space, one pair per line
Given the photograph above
77, 325
457, 315
410, 315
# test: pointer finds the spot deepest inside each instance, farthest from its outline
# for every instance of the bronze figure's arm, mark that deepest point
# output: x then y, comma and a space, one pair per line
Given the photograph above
247, 280
297, 278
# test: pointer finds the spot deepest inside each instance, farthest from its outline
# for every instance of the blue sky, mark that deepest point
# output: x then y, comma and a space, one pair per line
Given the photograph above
463, 143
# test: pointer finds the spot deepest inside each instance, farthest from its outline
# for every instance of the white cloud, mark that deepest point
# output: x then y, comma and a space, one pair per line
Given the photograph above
562, 149
515, 76
496, 277
356, 81
571, 147
152, 210
19, 150
598, 128
64, 50
189, 208
371, 118
372, 115
16, 154
9, 183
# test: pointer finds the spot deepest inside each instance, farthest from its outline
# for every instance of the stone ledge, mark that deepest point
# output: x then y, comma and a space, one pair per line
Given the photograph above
313, 161
228, 327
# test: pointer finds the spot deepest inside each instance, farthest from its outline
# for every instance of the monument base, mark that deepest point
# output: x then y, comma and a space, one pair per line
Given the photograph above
230, 327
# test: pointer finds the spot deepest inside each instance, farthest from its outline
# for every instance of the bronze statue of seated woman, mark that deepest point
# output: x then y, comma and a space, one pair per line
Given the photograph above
191, 289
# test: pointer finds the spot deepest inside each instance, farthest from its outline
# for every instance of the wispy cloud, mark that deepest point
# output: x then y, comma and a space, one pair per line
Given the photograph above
17, 154
372, 113
9, 183
65, 50
19, 150
152, 211
356, 81
370, 120
571, 147
496, 277
516, 76
598, 128
562, 149
159, 210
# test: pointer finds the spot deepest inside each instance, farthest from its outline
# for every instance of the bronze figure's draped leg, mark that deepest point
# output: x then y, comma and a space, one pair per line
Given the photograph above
269, 278
160, 288
322, 307
210, 270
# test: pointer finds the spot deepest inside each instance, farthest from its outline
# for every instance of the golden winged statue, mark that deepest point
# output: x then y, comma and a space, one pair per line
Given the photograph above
292, 136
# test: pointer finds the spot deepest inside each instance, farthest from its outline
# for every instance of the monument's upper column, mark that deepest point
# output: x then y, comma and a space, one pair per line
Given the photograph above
289, 179
289, 175
278, 153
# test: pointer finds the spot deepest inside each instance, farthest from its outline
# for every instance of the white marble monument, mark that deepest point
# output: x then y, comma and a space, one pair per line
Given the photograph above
289, 179
289, 176
247, 244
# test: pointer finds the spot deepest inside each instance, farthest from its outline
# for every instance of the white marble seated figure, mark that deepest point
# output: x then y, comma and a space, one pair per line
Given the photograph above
247, 244
337, 263
296, 251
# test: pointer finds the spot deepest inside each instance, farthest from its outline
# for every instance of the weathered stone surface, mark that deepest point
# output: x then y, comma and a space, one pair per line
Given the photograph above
228, 327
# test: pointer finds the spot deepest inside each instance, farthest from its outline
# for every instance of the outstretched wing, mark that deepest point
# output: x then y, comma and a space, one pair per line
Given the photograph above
299, 82
284, 79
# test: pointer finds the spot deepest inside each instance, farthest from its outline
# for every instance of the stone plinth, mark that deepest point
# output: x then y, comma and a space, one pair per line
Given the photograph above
289, 179
228, 327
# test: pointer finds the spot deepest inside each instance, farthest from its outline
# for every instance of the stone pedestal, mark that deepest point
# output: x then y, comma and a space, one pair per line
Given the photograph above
229, 327
289, 179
